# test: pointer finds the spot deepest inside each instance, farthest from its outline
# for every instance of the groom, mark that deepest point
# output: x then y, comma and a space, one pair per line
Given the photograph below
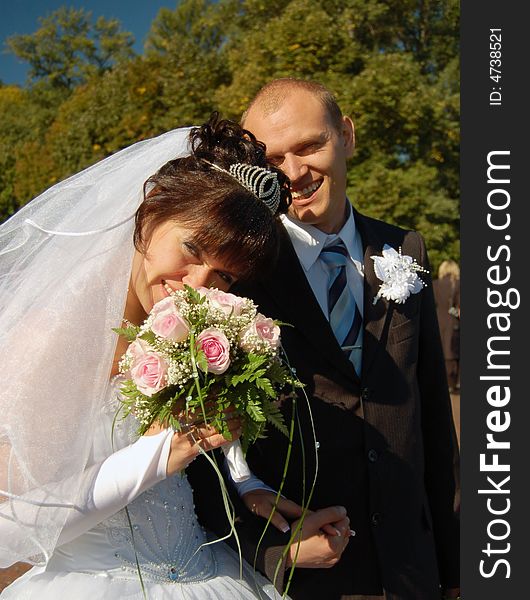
380, 405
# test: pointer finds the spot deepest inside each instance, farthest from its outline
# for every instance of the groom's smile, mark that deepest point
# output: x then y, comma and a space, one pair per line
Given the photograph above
303, 194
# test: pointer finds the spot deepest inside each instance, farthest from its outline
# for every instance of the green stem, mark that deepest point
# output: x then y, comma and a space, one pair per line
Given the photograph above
195, 372
279, 492
305, 504
229, 508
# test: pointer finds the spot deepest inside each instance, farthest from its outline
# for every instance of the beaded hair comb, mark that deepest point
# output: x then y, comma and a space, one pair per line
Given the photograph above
259, 181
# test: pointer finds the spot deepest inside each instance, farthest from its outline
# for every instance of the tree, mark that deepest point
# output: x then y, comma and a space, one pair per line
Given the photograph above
12, 128
25, 116
68, 48
187, 44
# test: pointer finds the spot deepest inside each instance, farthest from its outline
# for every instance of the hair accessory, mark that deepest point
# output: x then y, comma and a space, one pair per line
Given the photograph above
259, 181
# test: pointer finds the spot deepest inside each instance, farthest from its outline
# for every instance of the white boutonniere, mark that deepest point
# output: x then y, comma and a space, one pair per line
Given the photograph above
398, 272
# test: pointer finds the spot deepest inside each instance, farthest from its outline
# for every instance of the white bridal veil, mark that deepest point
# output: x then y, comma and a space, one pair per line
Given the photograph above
64, 267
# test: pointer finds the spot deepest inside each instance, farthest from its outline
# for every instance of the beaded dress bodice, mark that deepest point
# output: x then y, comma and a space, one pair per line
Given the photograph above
163, 533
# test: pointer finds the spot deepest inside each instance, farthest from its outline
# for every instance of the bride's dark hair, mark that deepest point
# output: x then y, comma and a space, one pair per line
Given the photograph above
226, 220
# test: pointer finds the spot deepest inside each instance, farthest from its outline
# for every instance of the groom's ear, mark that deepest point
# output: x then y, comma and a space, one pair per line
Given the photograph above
348, 135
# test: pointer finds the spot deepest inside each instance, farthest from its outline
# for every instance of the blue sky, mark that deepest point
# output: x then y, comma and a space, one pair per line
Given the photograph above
21, 16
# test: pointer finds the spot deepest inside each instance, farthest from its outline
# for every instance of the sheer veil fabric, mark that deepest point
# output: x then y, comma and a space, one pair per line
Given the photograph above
65, 262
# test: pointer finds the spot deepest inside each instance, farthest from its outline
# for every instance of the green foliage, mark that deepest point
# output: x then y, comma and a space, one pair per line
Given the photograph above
68, 48
129, 333
409, 197
393, 66
13, 106
253, 391
187, 44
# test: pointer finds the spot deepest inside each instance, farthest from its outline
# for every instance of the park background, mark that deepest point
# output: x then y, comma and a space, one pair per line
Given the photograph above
92, 89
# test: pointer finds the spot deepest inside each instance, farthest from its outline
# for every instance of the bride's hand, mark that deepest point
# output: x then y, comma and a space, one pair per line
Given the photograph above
186, 445
261, 503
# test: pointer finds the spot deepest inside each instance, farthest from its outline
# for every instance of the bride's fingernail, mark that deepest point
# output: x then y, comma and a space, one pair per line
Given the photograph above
285, 528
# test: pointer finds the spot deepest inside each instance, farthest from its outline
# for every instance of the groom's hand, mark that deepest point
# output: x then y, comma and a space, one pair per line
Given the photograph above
317, 549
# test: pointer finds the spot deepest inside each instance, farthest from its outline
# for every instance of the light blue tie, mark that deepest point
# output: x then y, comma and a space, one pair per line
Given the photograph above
344, 315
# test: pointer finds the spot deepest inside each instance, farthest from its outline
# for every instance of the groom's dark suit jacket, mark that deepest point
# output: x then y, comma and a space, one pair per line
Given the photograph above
387, 444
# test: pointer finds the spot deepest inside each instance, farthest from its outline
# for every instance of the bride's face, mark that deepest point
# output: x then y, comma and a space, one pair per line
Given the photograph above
170, 261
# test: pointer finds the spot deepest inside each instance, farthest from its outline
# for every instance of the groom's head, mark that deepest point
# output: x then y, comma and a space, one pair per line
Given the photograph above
310, 140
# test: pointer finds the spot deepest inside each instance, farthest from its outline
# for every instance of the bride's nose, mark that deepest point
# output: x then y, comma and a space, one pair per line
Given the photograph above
199, 276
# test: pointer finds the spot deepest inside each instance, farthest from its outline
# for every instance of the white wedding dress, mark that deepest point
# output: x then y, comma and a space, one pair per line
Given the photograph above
163, 535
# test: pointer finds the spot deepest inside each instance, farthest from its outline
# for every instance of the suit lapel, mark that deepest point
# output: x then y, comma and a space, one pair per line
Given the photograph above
375, 316
290, 282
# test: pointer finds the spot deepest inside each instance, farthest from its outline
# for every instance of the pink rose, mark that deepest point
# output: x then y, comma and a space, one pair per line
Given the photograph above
148, 369
167, 321
228, 303
216, 347
262, 330
267, 330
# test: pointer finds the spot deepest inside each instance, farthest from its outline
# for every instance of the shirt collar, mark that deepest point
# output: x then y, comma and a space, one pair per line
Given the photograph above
308, 240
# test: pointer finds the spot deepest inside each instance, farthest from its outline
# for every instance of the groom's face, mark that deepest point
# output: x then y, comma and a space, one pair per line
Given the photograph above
312, 150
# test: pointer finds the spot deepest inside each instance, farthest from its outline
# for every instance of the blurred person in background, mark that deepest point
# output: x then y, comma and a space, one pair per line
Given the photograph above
447, 296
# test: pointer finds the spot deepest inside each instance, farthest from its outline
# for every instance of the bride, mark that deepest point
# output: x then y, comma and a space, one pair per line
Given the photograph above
81, 497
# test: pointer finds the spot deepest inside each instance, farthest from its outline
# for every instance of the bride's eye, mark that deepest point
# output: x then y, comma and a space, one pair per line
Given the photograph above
228, 279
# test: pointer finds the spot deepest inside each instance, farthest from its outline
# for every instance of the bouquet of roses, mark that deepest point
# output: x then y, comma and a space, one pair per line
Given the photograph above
199, 354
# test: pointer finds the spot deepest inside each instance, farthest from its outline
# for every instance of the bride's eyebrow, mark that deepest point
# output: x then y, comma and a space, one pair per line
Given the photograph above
191, 246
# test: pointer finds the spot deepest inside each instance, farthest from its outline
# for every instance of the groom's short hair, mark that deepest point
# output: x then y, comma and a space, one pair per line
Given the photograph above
272, 95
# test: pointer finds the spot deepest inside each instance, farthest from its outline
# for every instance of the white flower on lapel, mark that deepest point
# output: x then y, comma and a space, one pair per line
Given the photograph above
398, 272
